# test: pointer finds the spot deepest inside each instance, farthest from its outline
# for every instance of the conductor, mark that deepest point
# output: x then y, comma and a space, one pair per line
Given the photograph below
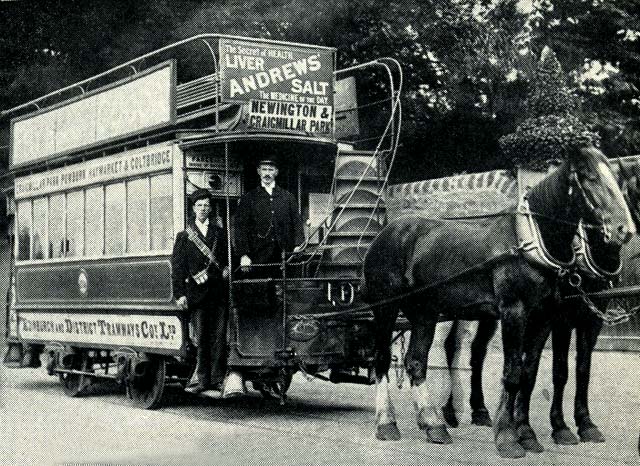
199, 268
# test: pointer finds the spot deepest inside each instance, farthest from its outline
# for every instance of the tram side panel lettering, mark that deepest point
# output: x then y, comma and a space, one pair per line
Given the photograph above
132, 330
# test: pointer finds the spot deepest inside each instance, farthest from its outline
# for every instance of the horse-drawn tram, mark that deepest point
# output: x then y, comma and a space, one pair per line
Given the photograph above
103, 172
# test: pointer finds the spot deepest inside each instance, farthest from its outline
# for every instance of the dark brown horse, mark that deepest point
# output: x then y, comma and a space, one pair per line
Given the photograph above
476, 269
600, 268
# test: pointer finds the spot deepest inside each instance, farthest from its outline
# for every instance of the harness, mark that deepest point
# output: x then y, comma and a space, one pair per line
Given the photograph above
585, 262
209, 253
530, 241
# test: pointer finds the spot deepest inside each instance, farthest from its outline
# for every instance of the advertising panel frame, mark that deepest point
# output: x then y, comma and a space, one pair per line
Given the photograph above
171, 64
262, 70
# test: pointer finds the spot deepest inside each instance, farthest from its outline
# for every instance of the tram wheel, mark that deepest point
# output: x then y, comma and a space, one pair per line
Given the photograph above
145, 391
274, 390
74, 385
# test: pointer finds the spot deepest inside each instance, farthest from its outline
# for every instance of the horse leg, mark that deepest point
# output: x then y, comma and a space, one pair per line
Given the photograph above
586, 336
428, 405
438, 375
461, 369
512, 319
448, 410
386, 427
536, 334
479, 412
561, 337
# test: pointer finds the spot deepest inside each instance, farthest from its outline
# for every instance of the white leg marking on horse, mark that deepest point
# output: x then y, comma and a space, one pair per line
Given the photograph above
385, 413
428, 410
437, 386
461, 366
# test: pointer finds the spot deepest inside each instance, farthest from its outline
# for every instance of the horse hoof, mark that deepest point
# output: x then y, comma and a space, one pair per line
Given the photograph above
591, 434
438, 434
481, 418
388, 432
564, 436
527, 438
450, 416
511, 450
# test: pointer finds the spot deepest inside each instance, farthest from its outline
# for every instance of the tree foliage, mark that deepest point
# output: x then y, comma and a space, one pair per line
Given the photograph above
553, 127
467, 63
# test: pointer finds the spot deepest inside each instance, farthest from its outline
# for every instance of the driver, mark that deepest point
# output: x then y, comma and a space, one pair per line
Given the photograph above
267, 224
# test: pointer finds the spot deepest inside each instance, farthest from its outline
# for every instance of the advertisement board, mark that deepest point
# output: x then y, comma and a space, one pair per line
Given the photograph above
139, 103
130, 163
285, 87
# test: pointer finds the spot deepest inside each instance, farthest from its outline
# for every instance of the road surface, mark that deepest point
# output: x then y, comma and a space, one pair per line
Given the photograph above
321, 423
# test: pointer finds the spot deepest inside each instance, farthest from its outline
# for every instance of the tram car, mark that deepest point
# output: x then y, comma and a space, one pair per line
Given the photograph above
102, 172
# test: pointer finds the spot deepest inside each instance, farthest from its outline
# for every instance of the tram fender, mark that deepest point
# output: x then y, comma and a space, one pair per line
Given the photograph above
20, 356
13, 356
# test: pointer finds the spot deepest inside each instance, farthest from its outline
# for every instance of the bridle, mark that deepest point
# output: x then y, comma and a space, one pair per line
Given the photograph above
574, 180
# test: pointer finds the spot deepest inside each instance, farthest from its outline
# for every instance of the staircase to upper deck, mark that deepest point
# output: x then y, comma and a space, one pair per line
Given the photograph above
358, 212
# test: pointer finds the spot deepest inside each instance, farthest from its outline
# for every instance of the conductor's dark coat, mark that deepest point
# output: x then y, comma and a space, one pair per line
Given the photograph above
257, 212
187, 260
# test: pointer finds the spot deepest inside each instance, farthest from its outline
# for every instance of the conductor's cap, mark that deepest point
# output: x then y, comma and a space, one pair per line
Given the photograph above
268, 161
200, 194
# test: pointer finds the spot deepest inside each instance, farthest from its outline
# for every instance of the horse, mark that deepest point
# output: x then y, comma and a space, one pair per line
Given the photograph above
600, 267
475, 269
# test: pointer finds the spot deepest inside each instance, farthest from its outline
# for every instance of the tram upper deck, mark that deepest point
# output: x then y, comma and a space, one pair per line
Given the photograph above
103, 169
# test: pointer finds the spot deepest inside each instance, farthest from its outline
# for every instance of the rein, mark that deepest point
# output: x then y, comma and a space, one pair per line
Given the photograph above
513, 252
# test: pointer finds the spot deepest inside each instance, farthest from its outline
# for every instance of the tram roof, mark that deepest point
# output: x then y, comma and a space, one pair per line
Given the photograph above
260, 89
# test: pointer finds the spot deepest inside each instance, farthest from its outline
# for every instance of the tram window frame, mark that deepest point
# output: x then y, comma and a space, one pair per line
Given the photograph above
56, 246
77, 246
143, 240
165, 232
108, 245
28, 215
159, 231
39, 228
97, 241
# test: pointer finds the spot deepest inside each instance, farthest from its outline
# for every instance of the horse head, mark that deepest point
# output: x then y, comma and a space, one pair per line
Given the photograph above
604, 206
628, 171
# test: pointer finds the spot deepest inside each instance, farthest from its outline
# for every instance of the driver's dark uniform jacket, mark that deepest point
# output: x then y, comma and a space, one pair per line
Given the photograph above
206, 302
267, 224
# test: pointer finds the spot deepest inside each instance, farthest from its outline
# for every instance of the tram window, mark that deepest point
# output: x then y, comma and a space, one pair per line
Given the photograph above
94, 221
113, 219
56, 226
161, 213
75, 223
24, 230
39, 228
137, 215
